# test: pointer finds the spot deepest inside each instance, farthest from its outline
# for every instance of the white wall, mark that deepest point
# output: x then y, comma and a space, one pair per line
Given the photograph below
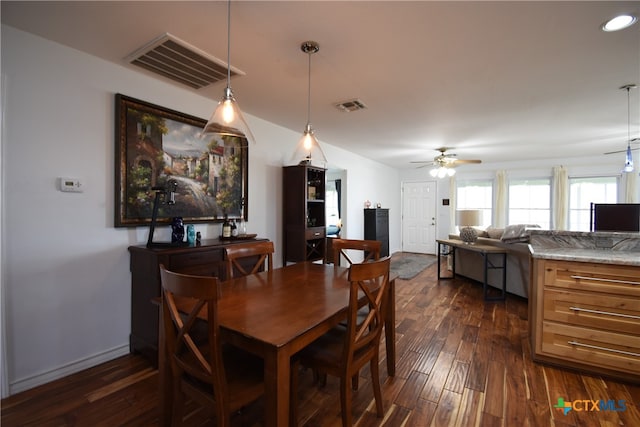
65, 268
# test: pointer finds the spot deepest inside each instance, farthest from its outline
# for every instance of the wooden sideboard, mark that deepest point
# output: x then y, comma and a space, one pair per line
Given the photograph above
206, 259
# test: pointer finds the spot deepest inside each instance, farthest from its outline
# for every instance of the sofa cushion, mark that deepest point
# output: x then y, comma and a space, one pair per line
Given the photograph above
495, 233
517, 233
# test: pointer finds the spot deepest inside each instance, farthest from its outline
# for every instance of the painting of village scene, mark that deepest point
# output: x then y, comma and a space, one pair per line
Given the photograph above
156, 145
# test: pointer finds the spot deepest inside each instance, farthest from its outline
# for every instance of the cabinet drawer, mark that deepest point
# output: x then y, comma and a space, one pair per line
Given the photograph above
608, 278
191, 259
613, 313
314, 233
601, 349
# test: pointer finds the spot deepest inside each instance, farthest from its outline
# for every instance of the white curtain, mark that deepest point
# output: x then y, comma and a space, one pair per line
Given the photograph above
560, 197
453, 191
630, 188
500, 208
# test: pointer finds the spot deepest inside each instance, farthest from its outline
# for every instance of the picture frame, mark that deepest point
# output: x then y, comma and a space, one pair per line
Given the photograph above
155, 145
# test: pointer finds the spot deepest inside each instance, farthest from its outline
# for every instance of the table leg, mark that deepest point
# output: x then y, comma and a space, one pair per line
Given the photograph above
277, 377
485, 258
485, 285
390, 330
451, 251
439, 253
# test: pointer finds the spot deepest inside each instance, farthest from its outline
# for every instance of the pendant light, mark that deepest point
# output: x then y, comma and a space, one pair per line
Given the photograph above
308, 148
628, 161
227, 119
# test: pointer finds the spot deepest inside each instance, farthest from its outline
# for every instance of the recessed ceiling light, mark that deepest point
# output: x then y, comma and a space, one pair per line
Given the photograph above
620, 22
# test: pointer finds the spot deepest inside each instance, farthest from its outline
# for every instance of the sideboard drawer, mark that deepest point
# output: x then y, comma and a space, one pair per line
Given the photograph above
597, 348
613, 313
192, 259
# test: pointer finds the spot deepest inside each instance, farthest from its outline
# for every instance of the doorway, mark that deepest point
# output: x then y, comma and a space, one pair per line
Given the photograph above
335, 198
419, 217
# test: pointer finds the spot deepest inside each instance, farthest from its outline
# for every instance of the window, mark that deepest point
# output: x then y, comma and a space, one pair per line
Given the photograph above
583, 192
476, 195
530, 202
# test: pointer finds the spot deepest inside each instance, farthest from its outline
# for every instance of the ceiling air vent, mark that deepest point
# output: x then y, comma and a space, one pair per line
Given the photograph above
177, 60
351, 105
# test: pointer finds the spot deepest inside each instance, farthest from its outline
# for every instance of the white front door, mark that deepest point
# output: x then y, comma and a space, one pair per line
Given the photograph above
419, 217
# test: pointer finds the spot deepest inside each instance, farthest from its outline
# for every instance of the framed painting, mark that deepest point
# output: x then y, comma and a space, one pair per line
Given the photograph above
156, 146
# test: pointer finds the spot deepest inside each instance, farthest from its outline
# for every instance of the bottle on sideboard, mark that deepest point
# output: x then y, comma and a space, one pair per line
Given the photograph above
226, 228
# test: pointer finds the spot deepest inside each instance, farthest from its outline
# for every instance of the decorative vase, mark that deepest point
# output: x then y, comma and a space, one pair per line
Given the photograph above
191, 234
468, 235
177, 230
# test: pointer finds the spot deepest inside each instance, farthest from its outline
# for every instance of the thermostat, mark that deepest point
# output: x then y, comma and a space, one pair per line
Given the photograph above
71, 185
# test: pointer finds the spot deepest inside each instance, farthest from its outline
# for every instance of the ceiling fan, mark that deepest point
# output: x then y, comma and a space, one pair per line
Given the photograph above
446, 160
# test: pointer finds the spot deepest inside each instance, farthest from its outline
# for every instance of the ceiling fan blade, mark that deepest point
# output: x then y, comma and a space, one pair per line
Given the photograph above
622, 151
428, 162
461, 161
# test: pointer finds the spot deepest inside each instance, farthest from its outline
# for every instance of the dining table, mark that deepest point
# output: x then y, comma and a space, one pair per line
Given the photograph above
274, 314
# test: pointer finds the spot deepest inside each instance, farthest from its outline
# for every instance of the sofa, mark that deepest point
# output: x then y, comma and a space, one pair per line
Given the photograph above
514, 239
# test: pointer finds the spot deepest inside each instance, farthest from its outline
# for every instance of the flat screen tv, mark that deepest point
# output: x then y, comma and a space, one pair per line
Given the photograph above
615, 217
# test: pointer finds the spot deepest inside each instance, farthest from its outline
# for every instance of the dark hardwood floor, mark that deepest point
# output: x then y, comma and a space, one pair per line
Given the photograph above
461, 362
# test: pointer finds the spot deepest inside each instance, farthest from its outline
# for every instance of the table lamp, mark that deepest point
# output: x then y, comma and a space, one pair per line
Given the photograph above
466, 219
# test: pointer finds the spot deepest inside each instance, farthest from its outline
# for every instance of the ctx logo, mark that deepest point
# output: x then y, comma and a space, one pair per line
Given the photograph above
589, 405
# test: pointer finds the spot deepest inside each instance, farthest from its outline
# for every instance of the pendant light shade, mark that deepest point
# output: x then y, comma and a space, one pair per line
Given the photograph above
227, 119
628, 161
308, 149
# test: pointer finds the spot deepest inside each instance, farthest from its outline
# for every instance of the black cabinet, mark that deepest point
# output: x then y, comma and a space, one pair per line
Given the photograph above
376, 227
304, 227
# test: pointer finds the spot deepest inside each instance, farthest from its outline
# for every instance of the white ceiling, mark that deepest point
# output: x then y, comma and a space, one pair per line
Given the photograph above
496, 81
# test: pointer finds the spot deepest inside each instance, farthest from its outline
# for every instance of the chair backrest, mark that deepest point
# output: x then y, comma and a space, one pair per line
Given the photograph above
187, 354
371, 249
369, 282
237, 263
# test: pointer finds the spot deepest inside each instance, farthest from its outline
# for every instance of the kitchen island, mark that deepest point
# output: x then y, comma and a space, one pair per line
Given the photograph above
584, 306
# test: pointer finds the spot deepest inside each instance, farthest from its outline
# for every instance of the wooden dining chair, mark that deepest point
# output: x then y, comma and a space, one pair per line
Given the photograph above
343, 247
342, 352
219, 377
239, 262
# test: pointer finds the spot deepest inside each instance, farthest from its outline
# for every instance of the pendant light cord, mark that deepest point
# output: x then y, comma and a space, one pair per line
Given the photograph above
229, 43
309, 92
628, 118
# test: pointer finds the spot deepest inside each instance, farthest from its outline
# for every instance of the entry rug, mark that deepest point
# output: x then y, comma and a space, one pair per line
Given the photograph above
407, 266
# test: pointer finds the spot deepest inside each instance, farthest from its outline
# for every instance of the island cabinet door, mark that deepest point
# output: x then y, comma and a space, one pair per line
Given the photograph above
587, 316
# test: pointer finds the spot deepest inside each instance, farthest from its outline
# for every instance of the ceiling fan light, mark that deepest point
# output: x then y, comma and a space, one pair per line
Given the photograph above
620, 22
441, 172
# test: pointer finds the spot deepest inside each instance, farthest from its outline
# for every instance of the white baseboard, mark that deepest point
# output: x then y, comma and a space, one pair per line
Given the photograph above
63, 371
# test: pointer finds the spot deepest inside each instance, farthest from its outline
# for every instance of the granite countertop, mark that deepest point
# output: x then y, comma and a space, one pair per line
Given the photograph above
597, 247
